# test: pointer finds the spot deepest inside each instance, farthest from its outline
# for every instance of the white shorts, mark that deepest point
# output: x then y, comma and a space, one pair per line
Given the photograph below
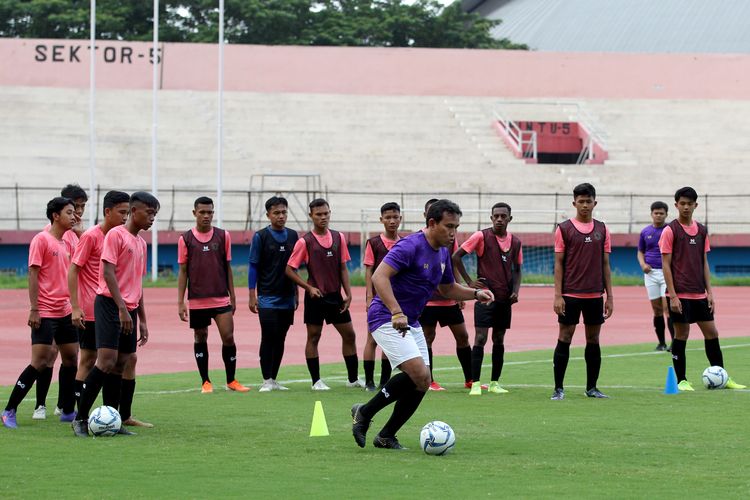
656, 287
400, 348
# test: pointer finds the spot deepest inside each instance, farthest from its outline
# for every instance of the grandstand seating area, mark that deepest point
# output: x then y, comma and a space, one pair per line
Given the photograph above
383, 144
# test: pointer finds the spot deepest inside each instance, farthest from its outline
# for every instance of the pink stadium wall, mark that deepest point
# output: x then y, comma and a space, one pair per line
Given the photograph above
380, 71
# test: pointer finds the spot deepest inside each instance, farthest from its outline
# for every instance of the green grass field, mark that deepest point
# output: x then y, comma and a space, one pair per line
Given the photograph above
639, 444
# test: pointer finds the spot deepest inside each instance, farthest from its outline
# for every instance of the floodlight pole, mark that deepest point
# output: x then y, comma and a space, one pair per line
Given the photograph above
154, 128
92, 102
220, 122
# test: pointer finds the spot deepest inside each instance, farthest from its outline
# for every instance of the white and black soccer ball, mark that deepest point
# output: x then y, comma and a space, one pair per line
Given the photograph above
437, 438
715, 377
104, 421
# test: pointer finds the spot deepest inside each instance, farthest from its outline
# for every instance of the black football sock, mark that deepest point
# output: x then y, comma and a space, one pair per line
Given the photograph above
60, 391
266, 355
313, 366
385, 371
43, 382
352, 363
369, 367
477, 358
560, 362
77, 390
713, 352
429, 356
201, 359
111, 390
498, 358
278, 353
402, 412
678, 358
593, 357
394, 389
91, 387
23, 385
659, 328
464, 357
670, 327
126, 398
229, 355
67, 388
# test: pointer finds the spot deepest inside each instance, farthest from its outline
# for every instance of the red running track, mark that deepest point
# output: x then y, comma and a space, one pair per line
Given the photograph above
171, 346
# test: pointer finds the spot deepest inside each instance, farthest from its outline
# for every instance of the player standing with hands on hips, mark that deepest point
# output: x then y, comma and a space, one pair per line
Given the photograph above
405, 281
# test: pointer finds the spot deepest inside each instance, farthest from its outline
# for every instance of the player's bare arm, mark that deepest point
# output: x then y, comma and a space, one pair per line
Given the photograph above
368, 287
230, 283
291, 273
78, 317
517, 276
126, 322
609, 302
707, 278
642, 262
559, 303
459, 292
142, 325
34, 319
458, 265
674, 301
182, 309
347, 287
381, 280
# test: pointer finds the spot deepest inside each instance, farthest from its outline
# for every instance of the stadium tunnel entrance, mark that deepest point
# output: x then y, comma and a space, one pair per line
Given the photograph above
551, 142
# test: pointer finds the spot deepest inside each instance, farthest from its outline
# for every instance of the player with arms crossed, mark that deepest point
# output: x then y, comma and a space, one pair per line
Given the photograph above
684, 250
582, 248
404, 281
204, 254
376, 249
277, 297
50, 313
499, 261
119, 307
649, 258
325, 253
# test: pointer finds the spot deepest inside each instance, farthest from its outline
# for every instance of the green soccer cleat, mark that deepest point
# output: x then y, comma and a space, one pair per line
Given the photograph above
476, 389
731, 384
685, 386
496, 389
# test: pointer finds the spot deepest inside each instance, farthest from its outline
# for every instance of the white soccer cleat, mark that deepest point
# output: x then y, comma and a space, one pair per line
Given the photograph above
278, 387
356, 384
40, 413
58, 411
320, 386
267, 386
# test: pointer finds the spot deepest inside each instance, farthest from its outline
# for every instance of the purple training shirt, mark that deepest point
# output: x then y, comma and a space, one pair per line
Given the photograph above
420, 269
648, 244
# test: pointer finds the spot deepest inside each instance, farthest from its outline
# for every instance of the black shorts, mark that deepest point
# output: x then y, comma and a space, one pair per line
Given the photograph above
494, 315
108, 332
87, 336
61, 330
693, 311
445, 315
201, 318
275, 322
592, 309
326, 309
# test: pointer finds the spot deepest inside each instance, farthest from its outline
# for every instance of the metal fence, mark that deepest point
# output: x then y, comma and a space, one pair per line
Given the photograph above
533, 212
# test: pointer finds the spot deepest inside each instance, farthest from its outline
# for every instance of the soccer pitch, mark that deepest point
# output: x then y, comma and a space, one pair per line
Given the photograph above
638, 444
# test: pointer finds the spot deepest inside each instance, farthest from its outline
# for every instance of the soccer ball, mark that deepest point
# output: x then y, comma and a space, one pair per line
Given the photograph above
437, 438
715, 377
104, 421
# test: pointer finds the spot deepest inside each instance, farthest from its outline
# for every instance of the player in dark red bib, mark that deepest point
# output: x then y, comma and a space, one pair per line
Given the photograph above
684, 251
325, 253
205, 254
499, 261
582, 274
376, 249
446, 312
50, 312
